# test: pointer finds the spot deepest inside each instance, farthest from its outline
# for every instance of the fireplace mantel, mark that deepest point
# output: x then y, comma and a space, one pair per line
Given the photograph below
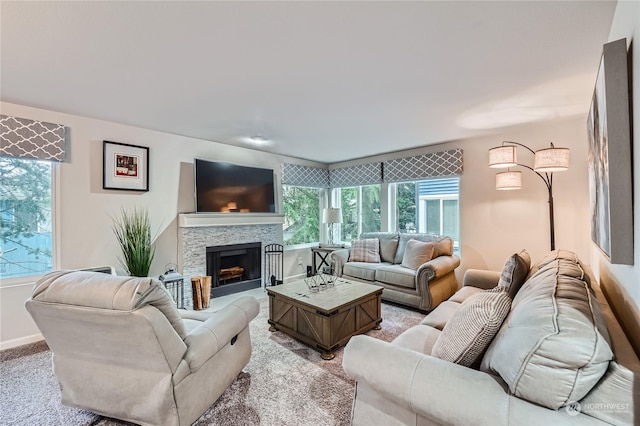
194, 220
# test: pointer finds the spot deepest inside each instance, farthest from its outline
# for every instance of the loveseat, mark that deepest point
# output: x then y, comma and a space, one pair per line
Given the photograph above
559, 358
122, 349
420, 285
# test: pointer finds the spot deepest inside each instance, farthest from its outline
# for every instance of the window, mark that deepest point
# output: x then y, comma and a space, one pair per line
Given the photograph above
301, 208
360, 210
429, 206
26, 244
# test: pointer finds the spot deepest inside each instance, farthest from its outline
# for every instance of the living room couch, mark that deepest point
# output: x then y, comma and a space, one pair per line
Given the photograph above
423, 288
559, 358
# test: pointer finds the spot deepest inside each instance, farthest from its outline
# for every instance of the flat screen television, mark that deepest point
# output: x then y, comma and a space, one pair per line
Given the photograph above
230, 188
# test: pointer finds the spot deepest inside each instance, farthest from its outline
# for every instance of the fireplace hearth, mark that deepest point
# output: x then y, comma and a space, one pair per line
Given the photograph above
234, 268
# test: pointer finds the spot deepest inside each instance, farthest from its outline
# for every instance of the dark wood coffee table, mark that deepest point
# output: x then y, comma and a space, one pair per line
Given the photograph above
325, 320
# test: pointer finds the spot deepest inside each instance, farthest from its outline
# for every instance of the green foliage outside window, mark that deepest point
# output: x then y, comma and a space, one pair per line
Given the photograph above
371, 208
301, 208
349, 203
360, 204
25, 217
406, 204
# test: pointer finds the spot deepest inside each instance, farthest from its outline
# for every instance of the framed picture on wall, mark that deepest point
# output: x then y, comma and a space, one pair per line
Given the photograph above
125, 167
610, 168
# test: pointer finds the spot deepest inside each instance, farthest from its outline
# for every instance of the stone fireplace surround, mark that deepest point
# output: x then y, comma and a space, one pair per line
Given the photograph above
197, 231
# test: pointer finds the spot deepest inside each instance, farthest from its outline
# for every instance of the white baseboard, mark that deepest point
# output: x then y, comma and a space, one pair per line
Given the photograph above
21, 341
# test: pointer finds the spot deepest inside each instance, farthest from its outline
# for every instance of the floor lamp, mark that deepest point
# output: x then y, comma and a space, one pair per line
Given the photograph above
545, 162
331, 216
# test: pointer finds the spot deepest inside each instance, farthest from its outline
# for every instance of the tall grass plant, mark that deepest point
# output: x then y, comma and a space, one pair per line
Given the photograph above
133, 232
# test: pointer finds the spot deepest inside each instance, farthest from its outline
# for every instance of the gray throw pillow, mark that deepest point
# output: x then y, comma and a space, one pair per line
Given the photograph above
515, 272
471, 329
417, 253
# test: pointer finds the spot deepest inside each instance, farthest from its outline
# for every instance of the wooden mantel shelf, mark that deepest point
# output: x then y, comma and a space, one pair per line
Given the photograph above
193, 220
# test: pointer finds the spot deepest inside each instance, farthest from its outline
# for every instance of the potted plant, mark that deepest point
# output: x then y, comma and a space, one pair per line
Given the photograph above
133, 231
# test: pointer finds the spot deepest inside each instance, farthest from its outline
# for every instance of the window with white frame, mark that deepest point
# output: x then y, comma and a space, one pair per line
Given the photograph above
26, 194
429, 206
360, 210
301, 208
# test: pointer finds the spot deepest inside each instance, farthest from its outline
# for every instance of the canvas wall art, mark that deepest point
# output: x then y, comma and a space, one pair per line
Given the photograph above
610, 166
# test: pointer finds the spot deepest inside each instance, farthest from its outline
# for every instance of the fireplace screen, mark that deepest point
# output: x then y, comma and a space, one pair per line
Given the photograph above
234, 268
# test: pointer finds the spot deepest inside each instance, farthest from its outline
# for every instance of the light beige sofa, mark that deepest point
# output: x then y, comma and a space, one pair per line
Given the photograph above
121, 348
548, 364
424, 288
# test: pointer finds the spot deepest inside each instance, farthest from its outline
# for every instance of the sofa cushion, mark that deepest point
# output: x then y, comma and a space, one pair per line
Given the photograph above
417, 253
464, 293
554, 334
362, 270
388, 243
367, 250
515, 272
470, 331
396, 275
551, 257
441, 315
443, 245
419, 338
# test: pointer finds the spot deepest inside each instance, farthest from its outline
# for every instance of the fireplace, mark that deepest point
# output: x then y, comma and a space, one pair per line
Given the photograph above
234, 268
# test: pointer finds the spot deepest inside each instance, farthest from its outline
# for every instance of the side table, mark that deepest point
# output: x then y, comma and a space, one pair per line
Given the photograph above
321, 254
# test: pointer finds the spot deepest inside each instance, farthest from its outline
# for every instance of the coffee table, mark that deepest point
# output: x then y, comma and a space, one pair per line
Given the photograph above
326, 319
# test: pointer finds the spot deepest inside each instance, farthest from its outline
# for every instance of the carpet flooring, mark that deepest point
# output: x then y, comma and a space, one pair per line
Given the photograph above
285, 383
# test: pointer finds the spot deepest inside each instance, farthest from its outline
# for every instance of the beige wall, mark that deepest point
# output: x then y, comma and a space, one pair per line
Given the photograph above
626, 25
83, 208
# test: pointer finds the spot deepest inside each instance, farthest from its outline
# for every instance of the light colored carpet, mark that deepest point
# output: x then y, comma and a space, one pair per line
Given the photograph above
285, 383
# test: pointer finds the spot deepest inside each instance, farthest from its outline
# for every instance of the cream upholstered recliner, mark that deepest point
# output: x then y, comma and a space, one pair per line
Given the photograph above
121, 348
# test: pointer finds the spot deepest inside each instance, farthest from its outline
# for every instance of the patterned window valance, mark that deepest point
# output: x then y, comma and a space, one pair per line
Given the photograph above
436, 164
362, 174
299, 175
24, 138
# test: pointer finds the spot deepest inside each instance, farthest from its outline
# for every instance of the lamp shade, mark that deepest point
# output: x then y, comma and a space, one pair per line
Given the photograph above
503, 156
332, 215
551, 160
508, 180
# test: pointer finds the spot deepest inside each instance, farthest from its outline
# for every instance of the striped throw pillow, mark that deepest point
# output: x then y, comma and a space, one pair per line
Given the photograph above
471, 329
367, 250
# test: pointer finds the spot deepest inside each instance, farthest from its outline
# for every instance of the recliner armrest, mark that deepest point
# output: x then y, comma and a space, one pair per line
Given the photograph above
481, 278
214, 333
426, 385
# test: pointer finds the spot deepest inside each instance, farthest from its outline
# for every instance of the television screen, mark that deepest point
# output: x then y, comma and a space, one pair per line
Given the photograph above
229, 188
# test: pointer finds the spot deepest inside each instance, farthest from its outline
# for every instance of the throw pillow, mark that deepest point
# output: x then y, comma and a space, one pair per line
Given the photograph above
416, 253
470, 330
367, 250
515, 272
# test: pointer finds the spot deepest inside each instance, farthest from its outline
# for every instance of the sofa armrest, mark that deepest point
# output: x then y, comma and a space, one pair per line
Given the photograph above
480, 278
214, 333
426, 385
436, 268
339, 258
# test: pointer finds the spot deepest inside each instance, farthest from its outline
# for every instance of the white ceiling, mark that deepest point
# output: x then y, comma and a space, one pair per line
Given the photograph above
326, 81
